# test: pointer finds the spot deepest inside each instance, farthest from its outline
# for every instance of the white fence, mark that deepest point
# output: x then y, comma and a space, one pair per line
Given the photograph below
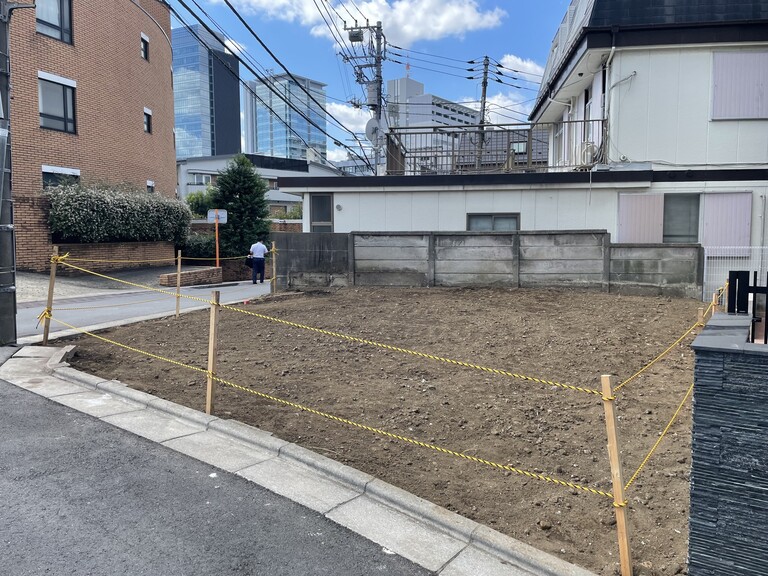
720, 260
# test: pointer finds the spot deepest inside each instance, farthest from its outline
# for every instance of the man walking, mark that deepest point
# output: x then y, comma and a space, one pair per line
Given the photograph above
259, 252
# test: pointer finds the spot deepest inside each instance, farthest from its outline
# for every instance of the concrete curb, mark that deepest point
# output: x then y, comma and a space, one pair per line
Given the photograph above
501, 549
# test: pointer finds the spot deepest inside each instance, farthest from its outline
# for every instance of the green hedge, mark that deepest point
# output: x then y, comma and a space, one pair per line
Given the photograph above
102, 213
199, 245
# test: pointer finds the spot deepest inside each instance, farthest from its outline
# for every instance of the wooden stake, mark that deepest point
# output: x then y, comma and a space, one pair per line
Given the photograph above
714, 302
213, 351
701, 315
178, 283
619, 502
49, 303
274, 269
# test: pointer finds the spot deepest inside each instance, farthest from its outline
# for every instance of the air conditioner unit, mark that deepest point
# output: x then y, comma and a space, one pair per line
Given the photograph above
587, 152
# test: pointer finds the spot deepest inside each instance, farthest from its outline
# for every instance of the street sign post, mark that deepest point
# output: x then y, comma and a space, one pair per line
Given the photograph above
217, 216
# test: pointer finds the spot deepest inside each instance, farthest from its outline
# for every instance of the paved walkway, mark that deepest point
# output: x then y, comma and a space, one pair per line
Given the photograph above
400, 524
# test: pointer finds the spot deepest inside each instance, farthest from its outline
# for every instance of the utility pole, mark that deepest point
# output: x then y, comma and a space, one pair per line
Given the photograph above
7, 236
374, 89
481, 135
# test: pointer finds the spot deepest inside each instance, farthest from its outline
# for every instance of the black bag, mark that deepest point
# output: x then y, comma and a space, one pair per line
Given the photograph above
249, 261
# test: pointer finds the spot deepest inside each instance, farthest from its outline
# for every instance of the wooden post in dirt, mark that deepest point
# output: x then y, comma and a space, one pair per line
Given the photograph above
701, 315
178, 282
213, 351
619, 502
273, 280
714, 302
49, 303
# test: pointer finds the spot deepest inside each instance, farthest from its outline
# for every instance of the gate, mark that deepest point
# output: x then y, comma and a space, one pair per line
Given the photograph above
741, 293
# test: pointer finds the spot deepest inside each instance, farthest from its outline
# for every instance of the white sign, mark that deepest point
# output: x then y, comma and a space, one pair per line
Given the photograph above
222, 214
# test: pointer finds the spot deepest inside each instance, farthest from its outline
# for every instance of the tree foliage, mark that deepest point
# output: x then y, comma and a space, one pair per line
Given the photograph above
200, 202
89, 213
242, 193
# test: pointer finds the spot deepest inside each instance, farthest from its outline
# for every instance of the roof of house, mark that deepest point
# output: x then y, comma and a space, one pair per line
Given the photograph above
644, 12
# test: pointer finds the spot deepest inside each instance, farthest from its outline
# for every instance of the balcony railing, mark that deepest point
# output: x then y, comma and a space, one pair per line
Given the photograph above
494, 149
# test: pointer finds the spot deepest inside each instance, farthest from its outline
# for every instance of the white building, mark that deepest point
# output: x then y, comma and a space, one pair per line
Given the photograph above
408, 105
666, 108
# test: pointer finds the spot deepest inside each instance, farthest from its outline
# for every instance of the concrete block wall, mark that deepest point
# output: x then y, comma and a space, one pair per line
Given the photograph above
657, 269
729, 465
304, 260
393, 259
463, 259
564, 258
581, 259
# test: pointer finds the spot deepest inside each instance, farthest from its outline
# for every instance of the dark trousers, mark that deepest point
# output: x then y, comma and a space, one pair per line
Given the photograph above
258, 269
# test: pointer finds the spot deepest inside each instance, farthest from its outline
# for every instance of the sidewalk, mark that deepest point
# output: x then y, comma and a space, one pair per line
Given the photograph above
436, 539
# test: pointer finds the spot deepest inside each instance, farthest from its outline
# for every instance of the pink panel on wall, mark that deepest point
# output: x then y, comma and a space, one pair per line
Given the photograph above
726, 219
641, 218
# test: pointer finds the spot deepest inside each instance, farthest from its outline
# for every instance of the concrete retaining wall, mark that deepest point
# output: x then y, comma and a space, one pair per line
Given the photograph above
729, 470
583, 259
651, 269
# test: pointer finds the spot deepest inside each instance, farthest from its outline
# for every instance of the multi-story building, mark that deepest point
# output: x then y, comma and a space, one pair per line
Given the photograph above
408, 105
284, 116
206, 94
92, 99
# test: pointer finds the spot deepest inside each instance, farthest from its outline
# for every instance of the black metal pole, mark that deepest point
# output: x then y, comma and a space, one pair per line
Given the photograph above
7, 236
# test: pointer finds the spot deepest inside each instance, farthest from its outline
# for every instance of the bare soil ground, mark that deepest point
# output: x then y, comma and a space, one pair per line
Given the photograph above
570, 337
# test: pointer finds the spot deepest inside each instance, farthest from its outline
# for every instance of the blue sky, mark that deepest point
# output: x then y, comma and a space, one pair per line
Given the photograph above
435, 37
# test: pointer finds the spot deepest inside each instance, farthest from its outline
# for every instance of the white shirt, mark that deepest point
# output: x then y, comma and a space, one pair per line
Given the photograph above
259, 250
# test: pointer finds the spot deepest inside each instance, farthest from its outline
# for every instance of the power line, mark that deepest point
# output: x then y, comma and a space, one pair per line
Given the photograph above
434, 55
431, 69
434, 63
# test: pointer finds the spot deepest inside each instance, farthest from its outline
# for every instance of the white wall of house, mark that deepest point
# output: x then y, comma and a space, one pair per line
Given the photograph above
661, 110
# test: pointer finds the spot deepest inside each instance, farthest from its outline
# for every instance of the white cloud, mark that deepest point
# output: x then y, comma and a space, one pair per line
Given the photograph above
234, 47
527, 69
337, 154
404, 21
353, 118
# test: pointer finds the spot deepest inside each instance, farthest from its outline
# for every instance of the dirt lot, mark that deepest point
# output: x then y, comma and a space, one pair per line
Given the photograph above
570, 337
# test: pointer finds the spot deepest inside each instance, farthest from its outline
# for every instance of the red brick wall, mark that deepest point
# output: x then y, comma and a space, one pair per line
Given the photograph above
111, 256
193, 277
114, 85
286, 226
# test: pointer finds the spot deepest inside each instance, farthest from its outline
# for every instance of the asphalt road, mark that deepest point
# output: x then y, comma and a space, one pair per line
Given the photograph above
82, 497
121, 306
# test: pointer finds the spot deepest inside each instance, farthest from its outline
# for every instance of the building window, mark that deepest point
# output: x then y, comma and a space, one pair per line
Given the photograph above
197, 179
144, 47
150, 186
681, 218
54, 19
321, 212
147, 120
56, 98
57, 176
493, 222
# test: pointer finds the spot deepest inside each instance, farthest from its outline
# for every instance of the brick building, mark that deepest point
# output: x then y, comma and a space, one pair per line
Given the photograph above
92, 99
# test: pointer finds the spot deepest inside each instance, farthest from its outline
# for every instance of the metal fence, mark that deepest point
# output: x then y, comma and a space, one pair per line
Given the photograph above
572, 145
720, 260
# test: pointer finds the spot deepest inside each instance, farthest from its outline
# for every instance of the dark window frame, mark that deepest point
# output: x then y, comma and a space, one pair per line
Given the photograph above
69, 120
147, 123
144, 49
61, 30
493, 216
51, 179
321, 224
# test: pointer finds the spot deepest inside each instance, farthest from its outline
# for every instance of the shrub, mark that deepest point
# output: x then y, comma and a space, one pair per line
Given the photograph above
200, 202
295, 213
199, 245
103, 213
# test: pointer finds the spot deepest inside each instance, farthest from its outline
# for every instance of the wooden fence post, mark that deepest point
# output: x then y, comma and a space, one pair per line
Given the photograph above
274, 269
178, 283
701, 315
714, 302
49, 303
213, 351
619, 502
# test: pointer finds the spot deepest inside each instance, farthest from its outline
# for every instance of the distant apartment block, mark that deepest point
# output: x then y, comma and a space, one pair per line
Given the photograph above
206, 94
284, 116
92, 101
408, 105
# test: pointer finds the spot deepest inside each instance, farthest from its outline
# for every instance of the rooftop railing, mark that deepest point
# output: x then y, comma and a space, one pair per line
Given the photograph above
494, 149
